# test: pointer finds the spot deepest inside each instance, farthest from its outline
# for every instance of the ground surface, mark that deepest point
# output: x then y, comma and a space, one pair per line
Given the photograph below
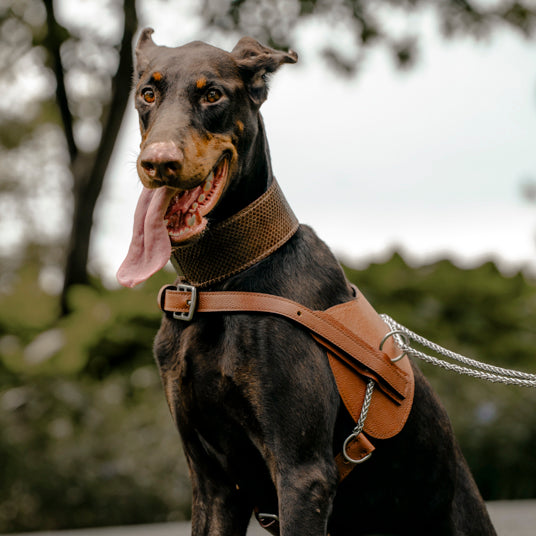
511, 518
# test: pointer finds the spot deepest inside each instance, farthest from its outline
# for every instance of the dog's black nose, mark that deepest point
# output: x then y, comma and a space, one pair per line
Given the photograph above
162, 161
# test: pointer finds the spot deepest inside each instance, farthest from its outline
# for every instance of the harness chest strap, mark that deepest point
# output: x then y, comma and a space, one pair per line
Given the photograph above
348, 346
351, 333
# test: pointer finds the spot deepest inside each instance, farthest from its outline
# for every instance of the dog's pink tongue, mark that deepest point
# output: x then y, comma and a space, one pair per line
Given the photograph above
150, 247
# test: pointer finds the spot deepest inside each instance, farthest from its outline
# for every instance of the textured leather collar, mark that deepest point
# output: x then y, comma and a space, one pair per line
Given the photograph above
239, 242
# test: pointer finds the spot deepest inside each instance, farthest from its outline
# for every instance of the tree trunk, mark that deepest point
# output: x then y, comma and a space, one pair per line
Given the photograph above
89, 170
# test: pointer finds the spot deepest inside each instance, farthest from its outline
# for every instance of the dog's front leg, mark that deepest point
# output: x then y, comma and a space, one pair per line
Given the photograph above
306, 494
218, 508
298, 430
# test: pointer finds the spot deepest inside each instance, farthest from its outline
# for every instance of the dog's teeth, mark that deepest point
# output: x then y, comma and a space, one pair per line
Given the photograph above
193, 208
190, 221
201, 198
208, 182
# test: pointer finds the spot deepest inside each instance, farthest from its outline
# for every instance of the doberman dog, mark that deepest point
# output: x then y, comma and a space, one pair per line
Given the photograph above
253, 396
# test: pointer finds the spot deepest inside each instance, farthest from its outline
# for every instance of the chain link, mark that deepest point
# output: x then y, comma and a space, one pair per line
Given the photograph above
469, 367
364, 408
360, 425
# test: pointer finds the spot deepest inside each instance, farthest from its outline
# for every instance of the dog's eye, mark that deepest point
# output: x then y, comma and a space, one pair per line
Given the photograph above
148, 95
213, 95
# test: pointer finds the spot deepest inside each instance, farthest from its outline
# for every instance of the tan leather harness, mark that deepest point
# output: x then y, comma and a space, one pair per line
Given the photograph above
360, 347
352, 334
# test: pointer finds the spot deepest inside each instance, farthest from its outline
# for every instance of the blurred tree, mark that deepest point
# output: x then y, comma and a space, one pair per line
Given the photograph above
68, 87
528, 189
358, 25
104, 107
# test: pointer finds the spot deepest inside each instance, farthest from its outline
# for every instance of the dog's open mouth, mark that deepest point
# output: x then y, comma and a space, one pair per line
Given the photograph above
185, 215
166, 217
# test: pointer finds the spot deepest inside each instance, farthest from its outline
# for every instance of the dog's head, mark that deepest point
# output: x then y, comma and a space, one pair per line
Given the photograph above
198, 108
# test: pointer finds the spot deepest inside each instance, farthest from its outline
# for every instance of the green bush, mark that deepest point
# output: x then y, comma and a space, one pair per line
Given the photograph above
79, 453
106, 328
86, 437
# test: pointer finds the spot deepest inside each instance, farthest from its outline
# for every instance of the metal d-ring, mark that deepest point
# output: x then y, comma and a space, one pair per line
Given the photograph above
406, 342
267, 520
347, 456
360, 425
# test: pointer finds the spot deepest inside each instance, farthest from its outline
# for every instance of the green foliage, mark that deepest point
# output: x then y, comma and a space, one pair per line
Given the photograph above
477, 311
86, 434
86, 437
104, 330
79, 453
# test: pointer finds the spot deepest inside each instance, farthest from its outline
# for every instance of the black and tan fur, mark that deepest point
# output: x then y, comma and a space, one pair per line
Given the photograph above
253, 396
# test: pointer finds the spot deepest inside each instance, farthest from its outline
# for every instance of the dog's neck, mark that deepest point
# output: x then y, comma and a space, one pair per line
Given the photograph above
252, 178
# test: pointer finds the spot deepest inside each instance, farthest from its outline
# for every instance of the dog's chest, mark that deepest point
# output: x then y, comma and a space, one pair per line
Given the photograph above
241, 372
211, 369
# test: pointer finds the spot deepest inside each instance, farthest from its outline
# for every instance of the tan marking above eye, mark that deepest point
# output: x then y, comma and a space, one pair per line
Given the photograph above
201, 83
157, 76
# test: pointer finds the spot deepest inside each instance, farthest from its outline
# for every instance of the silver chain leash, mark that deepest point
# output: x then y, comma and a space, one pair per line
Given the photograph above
469, 367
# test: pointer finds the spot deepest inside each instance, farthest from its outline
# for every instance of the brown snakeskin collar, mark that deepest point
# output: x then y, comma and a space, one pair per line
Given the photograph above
239, 242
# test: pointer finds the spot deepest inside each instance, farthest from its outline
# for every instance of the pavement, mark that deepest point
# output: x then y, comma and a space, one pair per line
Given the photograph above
511, 518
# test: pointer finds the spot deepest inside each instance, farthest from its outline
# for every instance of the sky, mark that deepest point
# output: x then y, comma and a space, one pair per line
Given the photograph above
428, 161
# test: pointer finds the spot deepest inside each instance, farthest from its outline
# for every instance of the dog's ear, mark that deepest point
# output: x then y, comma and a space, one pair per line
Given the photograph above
256, 62
143, 49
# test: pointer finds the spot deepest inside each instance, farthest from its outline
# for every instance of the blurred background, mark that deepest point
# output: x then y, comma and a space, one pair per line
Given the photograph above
405, 135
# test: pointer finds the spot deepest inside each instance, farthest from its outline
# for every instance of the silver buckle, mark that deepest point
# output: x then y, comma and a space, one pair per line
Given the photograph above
192, 303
